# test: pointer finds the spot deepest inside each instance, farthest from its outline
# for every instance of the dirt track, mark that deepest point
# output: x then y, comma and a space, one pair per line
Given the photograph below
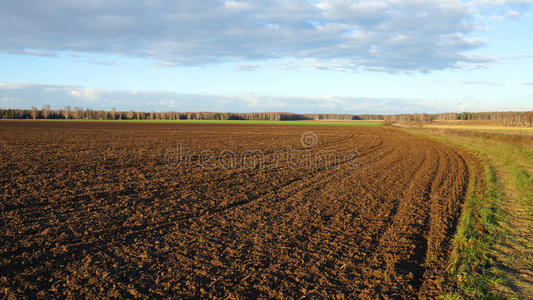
91, 209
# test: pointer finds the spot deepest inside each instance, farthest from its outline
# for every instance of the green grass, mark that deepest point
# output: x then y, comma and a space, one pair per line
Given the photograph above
250, 122
497, 215
470, 267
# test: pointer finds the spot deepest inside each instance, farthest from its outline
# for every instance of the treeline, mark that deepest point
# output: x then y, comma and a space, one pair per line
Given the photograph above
409, 118
511, 118
77, 113
508, 118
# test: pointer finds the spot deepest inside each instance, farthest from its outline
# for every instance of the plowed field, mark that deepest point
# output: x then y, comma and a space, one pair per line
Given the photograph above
94, 209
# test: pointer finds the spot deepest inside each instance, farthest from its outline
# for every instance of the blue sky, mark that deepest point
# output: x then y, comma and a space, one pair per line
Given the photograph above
332, 56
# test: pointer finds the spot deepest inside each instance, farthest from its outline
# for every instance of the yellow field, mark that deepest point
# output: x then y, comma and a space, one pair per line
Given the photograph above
485, 126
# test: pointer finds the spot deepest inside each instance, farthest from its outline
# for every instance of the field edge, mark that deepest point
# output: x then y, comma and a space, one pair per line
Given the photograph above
476, 268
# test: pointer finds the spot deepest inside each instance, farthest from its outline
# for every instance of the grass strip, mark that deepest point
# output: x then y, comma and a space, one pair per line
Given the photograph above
497, 213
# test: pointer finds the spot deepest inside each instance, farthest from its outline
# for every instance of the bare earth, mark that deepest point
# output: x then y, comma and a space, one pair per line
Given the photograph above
93, 210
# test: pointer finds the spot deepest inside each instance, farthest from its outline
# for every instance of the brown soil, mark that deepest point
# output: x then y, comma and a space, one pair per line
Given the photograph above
91, 210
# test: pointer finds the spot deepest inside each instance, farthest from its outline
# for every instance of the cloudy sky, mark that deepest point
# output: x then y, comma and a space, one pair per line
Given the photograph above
344, 56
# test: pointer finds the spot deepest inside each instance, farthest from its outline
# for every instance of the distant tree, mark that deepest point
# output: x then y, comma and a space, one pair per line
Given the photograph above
46, 111
76, 113
130, 114
66, 112
34, 112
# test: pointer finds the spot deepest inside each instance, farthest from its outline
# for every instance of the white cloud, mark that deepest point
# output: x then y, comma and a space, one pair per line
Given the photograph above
236, 4
14, 85
381, 35
487, 83
17, 95
10, 99
88, 94
244, 67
